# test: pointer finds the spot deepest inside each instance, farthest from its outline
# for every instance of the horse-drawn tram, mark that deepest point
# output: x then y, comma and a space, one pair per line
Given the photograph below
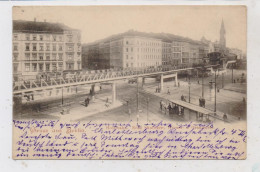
188, 111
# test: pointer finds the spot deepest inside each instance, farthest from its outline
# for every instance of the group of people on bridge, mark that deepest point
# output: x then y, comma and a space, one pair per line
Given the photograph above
202, 102
171, 108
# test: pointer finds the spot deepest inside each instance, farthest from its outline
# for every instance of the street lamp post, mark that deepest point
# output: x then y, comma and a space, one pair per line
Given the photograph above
215, 107
62, 96
147, 107
222, 80
189, 88
232, 72
137, 96
202, 84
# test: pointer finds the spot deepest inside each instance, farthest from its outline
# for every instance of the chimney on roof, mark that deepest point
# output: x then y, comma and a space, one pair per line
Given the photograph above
34, 19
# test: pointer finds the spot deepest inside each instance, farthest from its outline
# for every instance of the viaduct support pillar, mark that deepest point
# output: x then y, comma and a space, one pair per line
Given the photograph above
162, 82
113, 93
176, 80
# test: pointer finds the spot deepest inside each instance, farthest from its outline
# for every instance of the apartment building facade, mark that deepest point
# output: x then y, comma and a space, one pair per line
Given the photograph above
134, 49
40, 48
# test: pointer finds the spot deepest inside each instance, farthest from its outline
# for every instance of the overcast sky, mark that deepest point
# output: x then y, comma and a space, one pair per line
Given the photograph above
97, 22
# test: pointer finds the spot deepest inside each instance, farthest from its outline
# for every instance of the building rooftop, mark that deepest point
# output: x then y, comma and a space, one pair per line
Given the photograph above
36, 27
165, 37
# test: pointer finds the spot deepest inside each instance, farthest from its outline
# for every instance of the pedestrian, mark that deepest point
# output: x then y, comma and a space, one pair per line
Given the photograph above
200, 102
244, 100
107, 100
224, 117
198, 81
182, 110
161, 105
100, 87
204, 102
178, 84
182, 97
168, 92
86, 102
170, 108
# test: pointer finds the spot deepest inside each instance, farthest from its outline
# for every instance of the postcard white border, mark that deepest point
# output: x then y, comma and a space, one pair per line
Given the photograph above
253, 54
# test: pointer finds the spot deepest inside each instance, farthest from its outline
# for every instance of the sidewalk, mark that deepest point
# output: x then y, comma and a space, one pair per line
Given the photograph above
94, 107
193, 101
237, 87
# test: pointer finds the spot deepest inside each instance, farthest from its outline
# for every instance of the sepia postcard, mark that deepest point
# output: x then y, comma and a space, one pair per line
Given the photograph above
129, 82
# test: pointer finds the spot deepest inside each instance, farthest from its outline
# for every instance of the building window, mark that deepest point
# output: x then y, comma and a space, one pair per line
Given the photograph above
27, 37
47, 47
79, 66
79, 36
34, 56
15, 56
34, 37
60, 47
15, 37
34, 47
70, 66
54, 56
15, 47
126, 56
54, 38
79, 48
41, 56
60, 56
126, 49
70, 48
60, 38
27, 47
54, 47
40, 67
27, 67
69, 38
47, 56
60, 67
34, 67
54, 67
70, 56
27, 56
132, 49
47, 67
15, 68
41, 37
41, 47
126, 42
47, 37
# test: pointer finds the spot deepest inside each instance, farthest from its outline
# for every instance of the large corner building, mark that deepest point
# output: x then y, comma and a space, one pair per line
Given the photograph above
41, 48
134, 49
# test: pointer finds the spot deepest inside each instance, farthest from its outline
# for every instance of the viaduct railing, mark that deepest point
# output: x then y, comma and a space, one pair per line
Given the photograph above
88, 78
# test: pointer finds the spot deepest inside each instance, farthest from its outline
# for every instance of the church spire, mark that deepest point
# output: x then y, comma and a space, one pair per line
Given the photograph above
222, 38
222, 29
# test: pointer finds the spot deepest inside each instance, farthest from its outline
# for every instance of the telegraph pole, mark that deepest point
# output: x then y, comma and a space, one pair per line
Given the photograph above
62, 96
215, 107
232, 73
147, 108
202, 84
222, 80
189, 88
137, 94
